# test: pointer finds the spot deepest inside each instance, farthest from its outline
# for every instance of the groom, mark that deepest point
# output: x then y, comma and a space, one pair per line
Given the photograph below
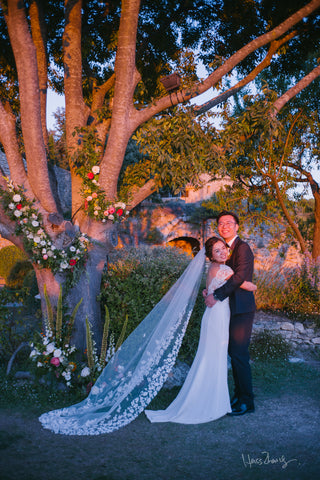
242, 307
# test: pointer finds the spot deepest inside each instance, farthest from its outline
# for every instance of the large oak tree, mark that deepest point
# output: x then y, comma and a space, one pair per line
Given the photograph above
107, 58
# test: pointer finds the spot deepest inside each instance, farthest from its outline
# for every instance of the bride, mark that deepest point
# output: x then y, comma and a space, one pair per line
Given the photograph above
204, 395
139, 368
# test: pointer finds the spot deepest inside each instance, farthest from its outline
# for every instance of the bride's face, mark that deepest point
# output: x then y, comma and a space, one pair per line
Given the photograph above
219, 252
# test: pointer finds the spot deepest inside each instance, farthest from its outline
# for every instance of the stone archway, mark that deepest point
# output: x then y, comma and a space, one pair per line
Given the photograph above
188, 245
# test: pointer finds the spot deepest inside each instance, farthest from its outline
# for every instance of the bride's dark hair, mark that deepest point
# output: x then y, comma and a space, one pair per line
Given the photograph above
209, 244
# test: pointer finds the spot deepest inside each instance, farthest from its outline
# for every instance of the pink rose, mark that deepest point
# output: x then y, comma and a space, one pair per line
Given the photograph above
94, 195
55, 361
111, 210
45, 257
106, 213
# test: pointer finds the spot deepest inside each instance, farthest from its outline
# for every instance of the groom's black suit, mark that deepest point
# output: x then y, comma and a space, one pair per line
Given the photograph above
242, 307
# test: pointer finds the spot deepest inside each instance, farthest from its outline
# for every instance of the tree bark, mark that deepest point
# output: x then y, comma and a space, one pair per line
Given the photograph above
292, 224
126, 78
39, 40
26, 61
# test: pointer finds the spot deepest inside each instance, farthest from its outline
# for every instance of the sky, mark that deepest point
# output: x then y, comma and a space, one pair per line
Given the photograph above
54, 101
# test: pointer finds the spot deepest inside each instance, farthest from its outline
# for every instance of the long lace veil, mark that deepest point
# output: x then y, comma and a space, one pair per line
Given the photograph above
137, 371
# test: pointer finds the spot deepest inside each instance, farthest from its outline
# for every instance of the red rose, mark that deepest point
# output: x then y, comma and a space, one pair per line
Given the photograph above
90, 175
55, 361
120, 212
85, 205
19, 206
72, 262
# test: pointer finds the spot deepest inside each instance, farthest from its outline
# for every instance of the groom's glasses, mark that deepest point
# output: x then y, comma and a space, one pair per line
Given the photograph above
226, 224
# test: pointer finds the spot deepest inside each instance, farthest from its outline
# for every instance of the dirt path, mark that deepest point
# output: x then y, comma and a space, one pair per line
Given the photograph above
279, 441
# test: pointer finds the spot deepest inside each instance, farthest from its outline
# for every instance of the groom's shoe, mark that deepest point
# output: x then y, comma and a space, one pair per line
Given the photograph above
241, 409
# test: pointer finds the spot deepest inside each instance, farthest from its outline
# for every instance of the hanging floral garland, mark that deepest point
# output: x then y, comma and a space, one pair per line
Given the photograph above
37, 242
86, 163
94, 199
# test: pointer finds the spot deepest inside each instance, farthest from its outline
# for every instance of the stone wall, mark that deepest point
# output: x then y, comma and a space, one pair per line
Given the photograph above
300, 336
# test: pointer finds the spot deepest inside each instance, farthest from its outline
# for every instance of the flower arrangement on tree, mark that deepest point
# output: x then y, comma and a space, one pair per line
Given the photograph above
37, 242
94, 202
86, 161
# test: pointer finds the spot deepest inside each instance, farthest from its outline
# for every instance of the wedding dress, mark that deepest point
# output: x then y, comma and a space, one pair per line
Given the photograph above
204, 395
137, 371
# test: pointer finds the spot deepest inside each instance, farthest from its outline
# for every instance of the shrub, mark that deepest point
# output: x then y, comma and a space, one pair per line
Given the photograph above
136, 281
294, 291
267, 345
9, 256
18, 272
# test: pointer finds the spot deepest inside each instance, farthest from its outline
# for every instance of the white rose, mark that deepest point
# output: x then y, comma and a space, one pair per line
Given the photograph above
35, 223
57, 352
67, 375
50, 348
17, 213
95, 169
111, 217
39, 364
95, 212
33, 353
72, 249
85, 372
11, 206
63, 265
43, 243
36, 239
43, 251
16, 198
49, 253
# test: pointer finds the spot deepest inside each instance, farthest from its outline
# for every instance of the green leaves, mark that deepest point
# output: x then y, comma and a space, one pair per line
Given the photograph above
178, 148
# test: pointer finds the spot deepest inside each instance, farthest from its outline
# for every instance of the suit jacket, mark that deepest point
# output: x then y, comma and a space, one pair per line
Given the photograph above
241, 261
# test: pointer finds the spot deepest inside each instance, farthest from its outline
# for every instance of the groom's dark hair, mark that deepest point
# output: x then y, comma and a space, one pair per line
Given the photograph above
225, 212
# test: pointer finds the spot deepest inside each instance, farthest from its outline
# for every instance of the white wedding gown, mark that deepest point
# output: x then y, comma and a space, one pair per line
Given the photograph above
204, 395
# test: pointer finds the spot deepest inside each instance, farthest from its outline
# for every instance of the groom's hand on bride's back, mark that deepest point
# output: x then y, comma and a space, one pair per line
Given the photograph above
204, 293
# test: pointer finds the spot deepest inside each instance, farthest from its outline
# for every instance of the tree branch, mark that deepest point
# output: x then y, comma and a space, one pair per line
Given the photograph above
8, 138
123, 109
26, 62
288, 216
76, 110
184, 95
140, 194
39, 40
292, 92
274, 46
